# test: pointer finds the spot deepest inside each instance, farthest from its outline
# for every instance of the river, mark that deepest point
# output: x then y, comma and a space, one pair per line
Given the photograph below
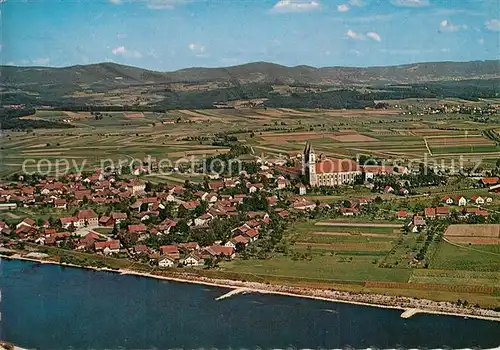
54, 307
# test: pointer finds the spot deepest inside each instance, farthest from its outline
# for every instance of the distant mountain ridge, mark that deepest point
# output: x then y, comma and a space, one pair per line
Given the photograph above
112, 75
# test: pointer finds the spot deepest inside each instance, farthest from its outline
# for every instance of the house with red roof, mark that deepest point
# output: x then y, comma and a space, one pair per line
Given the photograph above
66, 222
283, 213
442, 211
106, 221
448, 200
478, 200
402, 214
194, 259
166, 225
27, 222
418, 220
216, 186
303, 205
189, 246
139, 228
25, 231
219, 251
430, 213
108, 247
86, 217
166, 261
489, 181
252, 234
239, 239
190, 205
118, 217
252, 188
282, 183
60, 203
461, 200
141, 249
203, 219
170, 250
88, 241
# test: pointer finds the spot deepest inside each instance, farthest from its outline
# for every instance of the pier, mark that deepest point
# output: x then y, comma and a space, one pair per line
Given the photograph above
231, 293
409, 313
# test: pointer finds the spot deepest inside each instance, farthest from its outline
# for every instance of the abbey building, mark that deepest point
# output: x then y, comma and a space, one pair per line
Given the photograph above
328, 172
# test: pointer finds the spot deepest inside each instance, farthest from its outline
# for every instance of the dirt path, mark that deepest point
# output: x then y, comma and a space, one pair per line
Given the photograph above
381, 235
354, 224
427, 145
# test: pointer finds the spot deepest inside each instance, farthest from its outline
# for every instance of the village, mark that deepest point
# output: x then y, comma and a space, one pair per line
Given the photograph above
201, 224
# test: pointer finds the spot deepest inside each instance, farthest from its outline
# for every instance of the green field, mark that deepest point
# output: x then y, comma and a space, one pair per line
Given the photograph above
347, 259
474, 258
321, 268
479, 278
383, 133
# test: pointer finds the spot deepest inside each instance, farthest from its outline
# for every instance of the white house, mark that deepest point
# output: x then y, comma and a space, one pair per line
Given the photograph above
448, 200
166, 261
302, 189
26, 222
282, 183
478, 200
462, 201
194, 259
230, 244
211, 197
136, 187
203, 219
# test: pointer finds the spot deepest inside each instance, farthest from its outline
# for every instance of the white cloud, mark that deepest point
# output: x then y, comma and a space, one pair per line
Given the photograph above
155, 4
493, 25
374, 36
284, 6
197, 48
410, 3
164, 4
122, 51
359, 36
447, 26
481, 41
343, 8
41, 61
119, 50
357, 3
353, 35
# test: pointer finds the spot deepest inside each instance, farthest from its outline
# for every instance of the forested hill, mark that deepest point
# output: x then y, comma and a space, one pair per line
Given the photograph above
111, 75
113, 86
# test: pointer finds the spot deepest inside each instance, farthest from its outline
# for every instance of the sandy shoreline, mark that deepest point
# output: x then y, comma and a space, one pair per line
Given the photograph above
407, 306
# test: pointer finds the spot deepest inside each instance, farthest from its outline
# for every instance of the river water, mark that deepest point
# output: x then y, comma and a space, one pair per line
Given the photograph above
55, 307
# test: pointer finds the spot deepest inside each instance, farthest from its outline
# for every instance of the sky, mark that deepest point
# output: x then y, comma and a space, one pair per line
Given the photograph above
167, 35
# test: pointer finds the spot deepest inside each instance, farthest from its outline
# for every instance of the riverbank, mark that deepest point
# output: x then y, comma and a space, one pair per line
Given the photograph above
408, 306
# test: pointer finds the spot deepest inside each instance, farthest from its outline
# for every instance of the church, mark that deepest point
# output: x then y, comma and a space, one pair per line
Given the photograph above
328, 172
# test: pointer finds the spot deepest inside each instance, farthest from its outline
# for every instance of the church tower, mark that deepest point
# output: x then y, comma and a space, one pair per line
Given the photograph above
309, 164
312, 167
